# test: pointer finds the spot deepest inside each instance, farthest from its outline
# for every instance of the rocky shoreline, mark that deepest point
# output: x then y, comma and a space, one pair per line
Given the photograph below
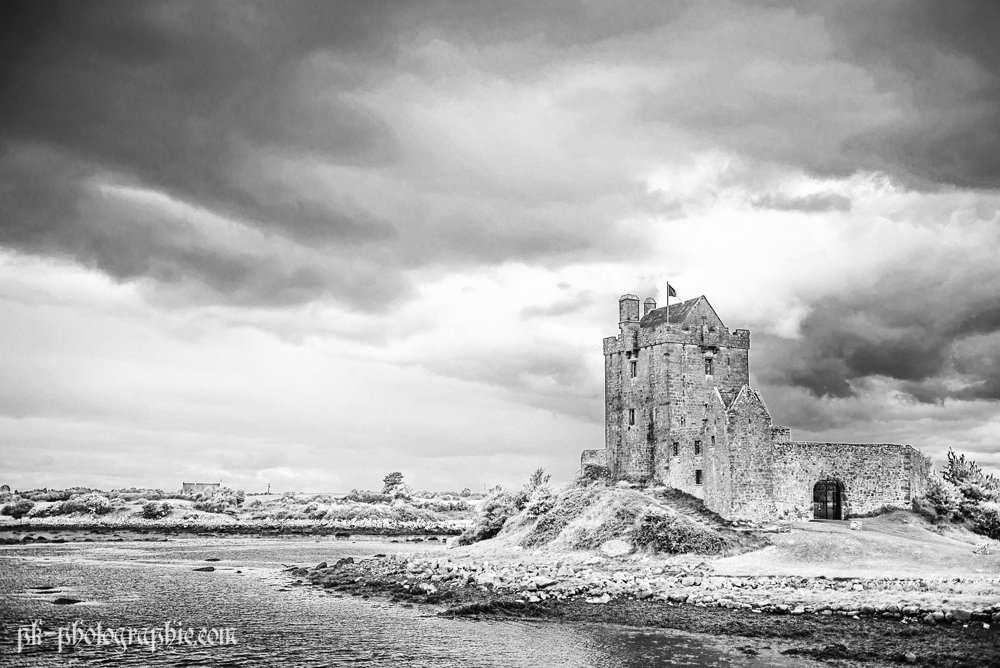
900, 620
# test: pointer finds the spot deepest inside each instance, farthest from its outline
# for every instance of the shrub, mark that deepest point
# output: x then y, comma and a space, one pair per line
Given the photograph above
569, 504
446, 506
17, 509
986, 520
49, 494
943, 496
135, 494
222, 500
151, 510
675, 535
363, 496
93, 503
618, 521
391, 481
542, 500
494, 511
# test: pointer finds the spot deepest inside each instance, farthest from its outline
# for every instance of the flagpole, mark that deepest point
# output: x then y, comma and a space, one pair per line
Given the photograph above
666, 305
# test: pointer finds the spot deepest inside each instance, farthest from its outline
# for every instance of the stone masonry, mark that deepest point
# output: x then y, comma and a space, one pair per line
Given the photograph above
679, 411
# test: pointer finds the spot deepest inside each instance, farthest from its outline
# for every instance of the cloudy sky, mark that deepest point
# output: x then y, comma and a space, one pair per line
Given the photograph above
308, 243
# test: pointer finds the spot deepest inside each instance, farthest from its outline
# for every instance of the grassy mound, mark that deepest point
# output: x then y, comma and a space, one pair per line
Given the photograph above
586, 514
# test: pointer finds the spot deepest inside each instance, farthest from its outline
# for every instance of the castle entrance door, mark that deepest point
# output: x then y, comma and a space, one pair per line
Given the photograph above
827, 495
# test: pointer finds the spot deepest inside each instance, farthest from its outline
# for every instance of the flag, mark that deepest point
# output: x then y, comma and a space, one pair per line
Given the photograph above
670, 291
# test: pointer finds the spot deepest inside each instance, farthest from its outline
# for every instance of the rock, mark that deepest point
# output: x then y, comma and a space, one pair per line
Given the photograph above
961, 615
426, 587
797, 610
616, 548
320, 565
205, 569
542, 582
910, 657
643, 594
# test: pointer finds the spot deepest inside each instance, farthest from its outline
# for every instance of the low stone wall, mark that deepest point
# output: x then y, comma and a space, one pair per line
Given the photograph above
874, 476
594, 463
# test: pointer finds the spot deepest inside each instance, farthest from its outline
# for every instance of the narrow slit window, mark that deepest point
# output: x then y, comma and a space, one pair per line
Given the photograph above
676, 449
631, 416
708, 366
697, 477
632, 368
697, 447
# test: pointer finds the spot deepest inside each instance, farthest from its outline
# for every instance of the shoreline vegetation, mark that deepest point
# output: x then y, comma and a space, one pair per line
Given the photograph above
396, 511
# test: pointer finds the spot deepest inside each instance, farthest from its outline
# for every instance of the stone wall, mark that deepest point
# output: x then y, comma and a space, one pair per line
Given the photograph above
594, 463
752, 478
874, 476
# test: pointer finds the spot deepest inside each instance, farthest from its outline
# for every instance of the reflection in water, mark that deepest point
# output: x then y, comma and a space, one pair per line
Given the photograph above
277, 623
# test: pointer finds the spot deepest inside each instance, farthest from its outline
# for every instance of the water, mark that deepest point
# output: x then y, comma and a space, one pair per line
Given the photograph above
143, 584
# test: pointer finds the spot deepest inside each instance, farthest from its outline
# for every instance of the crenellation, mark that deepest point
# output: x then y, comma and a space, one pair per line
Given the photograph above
679, 411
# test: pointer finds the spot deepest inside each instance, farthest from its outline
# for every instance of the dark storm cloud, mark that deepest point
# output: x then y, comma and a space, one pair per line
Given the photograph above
167, 95
946, 56
933, 328
911, 88
203, 101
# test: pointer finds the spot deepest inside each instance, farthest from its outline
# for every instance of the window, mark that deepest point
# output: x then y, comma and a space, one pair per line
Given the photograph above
631, 416
632, 366
697, 448
708, 366
676, 449
713, 440
697, 477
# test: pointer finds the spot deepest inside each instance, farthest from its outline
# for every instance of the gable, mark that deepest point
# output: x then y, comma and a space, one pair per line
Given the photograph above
747, 398
686, 314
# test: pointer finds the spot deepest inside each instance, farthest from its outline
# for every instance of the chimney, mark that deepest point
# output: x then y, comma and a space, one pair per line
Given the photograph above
648, 305
628, 309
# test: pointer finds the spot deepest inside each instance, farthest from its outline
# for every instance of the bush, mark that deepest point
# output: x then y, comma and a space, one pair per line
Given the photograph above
943, 496
17, 509
391, 481
675, 535
987, 520
618, 522
52, 494
569, 505
363, 496
93, 503
494, 511
542, 500
151, 510
222, 500
136, 493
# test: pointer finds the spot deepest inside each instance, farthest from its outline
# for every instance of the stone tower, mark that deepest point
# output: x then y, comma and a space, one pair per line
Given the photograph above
662, 374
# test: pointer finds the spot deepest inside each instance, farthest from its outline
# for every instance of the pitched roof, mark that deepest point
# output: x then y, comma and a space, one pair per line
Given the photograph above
678, 313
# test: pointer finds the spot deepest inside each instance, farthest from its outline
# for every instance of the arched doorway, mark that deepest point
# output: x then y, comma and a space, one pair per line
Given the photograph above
828, 498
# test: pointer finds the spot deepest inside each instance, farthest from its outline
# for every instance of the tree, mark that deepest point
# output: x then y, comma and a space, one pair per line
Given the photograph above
390, 481
538, 478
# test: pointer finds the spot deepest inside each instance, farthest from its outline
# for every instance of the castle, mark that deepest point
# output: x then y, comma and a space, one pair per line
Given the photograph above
679, 411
